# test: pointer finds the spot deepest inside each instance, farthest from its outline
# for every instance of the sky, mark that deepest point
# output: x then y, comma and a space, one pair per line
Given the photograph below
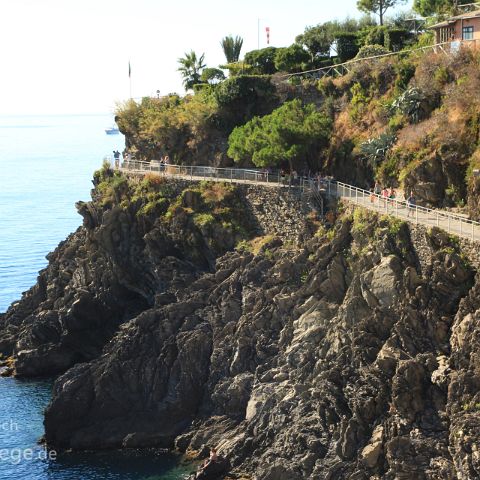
66, 56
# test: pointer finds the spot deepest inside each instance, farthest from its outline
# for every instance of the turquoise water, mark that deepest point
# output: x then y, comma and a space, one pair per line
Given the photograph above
46, 165
22, 458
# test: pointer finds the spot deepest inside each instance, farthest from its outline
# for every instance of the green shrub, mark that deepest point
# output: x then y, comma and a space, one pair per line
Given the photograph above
327, 87
442, 75
262, 61
359, 101
347, 46
203, 219
245, 96
375, 36
292, 59
371, 51
405, 71
396, 39
212, 75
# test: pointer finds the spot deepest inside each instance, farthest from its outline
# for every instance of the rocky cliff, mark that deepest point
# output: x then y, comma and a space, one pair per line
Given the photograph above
350, 353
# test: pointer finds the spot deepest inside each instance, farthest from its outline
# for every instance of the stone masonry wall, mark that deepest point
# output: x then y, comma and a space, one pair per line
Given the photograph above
278, 211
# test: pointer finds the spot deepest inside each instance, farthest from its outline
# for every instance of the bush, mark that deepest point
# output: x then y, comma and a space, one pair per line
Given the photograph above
262, 61
375, 36
347, 46
212, 75
405, 71
327, 87
359, 101
371, 51
244, 96
396, 39
292, 59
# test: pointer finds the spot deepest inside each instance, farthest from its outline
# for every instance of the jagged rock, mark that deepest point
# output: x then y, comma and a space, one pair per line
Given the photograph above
299, 362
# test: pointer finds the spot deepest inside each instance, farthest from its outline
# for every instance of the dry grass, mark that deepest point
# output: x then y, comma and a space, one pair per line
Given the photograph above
216, 192
153, 179
258, 242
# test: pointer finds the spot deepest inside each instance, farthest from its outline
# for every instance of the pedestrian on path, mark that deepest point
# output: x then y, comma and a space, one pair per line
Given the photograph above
116, 156
411, 205
392, 195
377, 190
385, 195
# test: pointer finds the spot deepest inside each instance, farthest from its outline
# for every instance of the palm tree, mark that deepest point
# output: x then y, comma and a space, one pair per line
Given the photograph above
190, 68
231, 48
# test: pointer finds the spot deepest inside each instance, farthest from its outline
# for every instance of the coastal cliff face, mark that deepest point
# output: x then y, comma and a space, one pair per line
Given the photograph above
349, 353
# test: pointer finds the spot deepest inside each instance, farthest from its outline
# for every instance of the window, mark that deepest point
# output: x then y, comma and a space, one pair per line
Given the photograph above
467, 33
447, 34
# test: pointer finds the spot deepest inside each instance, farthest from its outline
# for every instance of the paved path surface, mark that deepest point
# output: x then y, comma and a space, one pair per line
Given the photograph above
452, 223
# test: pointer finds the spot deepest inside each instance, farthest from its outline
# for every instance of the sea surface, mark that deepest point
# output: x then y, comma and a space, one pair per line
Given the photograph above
46, 165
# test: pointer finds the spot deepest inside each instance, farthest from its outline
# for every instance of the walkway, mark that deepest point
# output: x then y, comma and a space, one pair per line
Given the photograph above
450, 222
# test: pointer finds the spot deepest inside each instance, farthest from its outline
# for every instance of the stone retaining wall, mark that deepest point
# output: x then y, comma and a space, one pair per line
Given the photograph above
280, 211
419, 235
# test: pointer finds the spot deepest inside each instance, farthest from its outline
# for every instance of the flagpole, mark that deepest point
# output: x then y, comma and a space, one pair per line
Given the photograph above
130, 78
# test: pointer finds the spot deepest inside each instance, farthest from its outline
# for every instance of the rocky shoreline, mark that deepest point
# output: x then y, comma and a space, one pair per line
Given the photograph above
184, 316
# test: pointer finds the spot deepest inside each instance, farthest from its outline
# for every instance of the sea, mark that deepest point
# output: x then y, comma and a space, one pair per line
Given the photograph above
46, 165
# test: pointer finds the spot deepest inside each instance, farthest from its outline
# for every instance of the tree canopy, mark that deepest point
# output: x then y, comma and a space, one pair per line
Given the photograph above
293, 132
212, 75
292, 59
433, 7
262, 61
231, 48
378, 7
320, 39
191, 68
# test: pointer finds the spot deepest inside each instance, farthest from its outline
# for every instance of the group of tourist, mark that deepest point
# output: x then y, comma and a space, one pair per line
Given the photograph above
388, 195
116, 156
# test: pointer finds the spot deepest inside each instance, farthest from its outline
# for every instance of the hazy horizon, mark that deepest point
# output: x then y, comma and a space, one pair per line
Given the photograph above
66, 58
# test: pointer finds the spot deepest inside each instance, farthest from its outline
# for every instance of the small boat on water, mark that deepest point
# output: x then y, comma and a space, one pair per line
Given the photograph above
112, 131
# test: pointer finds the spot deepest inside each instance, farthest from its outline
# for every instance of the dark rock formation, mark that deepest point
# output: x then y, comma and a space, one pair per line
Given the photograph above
352, 355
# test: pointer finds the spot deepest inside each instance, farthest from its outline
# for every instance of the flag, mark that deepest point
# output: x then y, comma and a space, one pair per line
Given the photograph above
129, 70
267, 29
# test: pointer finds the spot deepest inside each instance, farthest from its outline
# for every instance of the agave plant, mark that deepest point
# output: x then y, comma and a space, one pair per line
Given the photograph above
375, 149
410, 103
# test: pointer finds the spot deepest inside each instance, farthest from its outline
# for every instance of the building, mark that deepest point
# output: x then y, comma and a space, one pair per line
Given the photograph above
465, 27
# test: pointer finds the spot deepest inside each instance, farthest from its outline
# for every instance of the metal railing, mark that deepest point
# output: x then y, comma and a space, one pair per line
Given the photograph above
198, 172
452, 223
341, 69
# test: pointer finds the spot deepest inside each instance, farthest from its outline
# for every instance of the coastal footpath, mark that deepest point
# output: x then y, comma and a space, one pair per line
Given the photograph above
194, 314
